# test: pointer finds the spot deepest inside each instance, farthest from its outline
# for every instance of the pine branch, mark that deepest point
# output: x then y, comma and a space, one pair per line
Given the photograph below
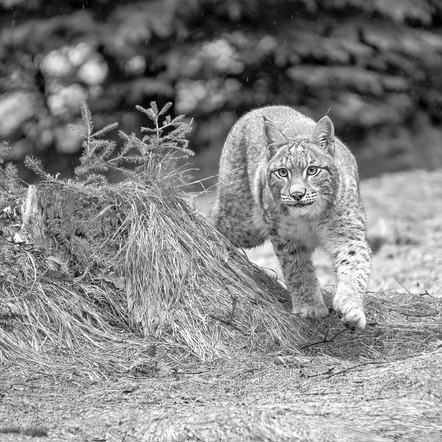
165, 108
36, 165
86, 117
11, 172
168, 134
5, 149
149, 112
96, 151
9, 179
106, 129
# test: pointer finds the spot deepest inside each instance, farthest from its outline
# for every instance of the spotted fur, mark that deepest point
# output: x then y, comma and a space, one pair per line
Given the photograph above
284, 177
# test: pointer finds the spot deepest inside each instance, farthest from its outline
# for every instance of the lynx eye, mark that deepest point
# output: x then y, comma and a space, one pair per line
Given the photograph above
282, 173
312, 170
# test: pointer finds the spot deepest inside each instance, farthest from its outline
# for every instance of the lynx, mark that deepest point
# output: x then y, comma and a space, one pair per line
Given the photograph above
284, 177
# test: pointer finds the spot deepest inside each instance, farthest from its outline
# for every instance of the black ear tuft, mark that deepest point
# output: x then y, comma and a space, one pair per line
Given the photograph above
324, 134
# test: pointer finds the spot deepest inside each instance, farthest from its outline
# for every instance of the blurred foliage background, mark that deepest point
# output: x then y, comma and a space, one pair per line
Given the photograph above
376, 64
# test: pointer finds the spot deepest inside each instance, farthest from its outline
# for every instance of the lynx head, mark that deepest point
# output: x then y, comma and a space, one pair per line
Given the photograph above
301, 172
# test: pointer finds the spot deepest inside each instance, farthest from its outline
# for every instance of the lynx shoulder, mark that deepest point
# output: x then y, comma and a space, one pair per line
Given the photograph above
284, 177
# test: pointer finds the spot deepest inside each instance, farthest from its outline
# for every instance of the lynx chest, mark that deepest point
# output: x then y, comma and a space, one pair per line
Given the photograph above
301, 231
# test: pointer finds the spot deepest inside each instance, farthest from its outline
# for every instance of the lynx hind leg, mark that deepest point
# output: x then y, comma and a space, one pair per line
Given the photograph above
310, 311
309, 304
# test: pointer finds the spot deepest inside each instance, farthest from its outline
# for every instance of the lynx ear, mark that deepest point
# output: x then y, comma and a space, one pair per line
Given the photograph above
324, 134
273, 136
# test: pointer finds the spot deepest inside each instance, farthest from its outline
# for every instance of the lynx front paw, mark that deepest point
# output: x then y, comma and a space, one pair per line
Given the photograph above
354, 319
351, 313
311, 311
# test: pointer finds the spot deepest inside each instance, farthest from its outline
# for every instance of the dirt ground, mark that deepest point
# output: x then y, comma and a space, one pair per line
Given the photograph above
348, 387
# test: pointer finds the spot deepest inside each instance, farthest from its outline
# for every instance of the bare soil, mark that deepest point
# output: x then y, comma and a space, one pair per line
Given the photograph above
383, 385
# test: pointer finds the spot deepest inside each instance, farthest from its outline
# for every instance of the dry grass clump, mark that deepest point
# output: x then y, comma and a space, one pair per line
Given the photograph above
127, 265
119, 277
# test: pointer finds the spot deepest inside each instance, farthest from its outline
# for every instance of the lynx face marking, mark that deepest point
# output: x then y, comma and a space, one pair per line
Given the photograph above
301, 177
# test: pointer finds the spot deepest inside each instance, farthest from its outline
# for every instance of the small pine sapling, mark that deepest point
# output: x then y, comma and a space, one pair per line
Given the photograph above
170, 134
9, 179
94, 161
163, 145
148, 159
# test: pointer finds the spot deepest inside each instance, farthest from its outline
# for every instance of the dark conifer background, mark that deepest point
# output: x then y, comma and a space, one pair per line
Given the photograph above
376, 66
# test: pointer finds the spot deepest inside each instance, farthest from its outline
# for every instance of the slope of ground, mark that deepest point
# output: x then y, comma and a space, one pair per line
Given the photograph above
382, 385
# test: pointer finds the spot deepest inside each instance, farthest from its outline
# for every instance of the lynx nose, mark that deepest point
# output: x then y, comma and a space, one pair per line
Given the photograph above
298, 193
